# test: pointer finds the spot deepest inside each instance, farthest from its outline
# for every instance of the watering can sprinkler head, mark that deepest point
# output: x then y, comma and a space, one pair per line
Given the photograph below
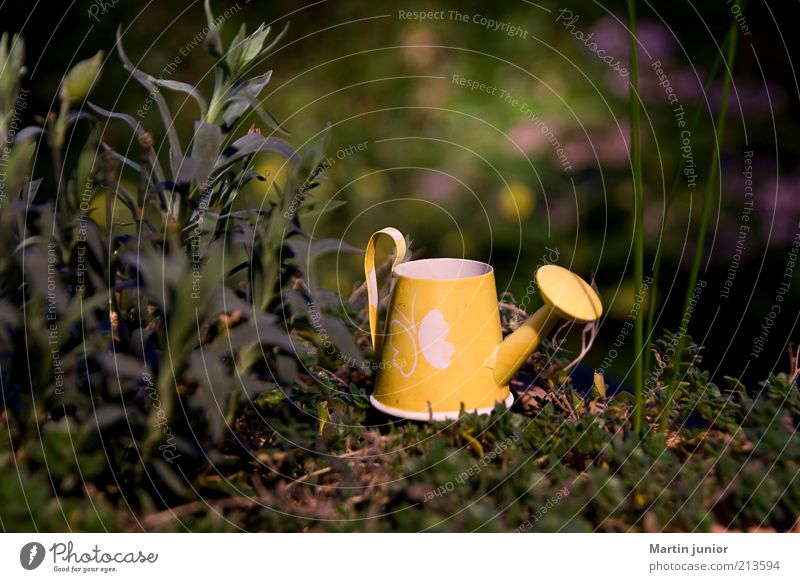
566, 296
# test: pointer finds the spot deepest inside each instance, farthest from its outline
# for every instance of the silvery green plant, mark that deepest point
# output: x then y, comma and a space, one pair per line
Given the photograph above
212, 170
155, 326
16, 144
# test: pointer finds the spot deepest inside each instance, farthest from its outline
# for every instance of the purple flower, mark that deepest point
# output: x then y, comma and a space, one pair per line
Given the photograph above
777, 203
436, 186
656, 42
749, 99
529, 137
609, 147
686, 83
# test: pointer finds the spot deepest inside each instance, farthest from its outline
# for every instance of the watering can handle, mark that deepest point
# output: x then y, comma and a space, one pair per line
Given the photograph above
372, 277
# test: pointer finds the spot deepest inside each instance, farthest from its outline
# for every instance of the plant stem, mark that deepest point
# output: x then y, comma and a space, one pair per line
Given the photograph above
638, 219
671, 196
56, 142
719, 131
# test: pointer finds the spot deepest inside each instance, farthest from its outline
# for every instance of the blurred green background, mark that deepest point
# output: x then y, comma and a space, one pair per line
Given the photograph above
532, 167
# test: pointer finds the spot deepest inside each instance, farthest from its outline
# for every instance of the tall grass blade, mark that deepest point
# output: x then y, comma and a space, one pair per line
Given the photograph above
719, 132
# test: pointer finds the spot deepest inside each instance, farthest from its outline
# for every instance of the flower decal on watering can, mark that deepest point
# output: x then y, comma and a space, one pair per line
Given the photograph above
429, 338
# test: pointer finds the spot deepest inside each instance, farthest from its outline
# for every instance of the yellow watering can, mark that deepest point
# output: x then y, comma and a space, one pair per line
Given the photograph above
442, 348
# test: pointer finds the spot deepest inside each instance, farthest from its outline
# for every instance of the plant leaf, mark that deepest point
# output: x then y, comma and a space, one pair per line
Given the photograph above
81, 78
107, 415
254, 44
233, 56
275, 40
213, 40
244, 95
342, 338
253, 143
129, 119
216, 387
263, 332
169, 476
116, 155
183, 167
320, 207
185, 88
329, 245
205, 151
148, 83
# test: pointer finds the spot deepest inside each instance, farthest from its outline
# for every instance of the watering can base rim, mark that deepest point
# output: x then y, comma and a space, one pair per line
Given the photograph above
425, 416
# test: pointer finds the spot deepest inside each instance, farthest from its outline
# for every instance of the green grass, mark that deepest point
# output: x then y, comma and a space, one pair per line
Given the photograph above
638, 218
705, 217
209, 415
558, 461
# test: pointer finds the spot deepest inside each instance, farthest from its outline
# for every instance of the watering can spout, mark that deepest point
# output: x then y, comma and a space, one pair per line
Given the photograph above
566, 296
517, 347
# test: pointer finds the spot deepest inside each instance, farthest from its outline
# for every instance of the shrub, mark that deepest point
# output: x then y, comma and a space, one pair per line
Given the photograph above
136, 323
